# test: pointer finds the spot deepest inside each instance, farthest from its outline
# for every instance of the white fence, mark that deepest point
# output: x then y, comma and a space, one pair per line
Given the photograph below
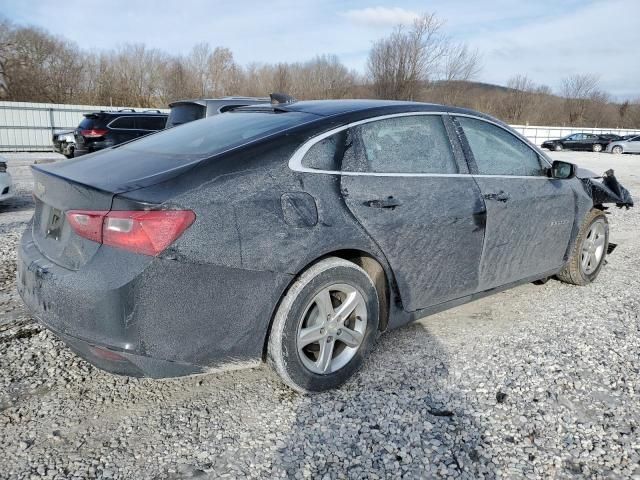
537, 135
30, 126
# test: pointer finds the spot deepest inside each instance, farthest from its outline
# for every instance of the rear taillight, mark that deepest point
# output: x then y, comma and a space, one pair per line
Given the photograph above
3, 167
94, 132
145, 232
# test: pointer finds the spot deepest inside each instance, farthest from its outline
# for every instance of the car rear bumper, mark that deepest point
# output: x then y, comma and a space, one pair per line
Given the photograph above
84, 148
147, 316
64, 148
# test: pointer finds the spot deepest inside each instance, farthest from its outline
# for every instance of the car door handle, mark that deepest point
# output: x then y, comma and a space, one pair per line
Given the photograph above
501, 196
388, 202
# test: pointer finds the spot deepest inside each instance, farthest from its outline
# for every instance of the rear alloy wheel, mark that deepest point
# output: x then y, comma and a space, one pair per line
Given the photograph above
324, 327
596, 147
557, 147
617, 149
589, 251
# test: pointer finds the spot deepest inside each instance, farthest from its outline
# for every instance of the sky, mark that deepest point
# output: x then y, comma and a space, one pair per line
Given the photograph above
546, 40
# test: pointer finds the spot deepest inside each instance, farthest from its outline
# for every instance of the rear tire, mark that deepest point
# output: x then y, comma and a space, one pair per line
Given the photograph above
314, 347
596, 147
589, 251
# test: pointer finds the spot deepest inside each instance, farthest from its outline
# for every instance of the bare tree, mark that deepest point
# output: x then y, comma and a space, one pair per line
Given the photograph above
520, 96
6, 45
198, 64
460, 62
578, 90
399, 64
281, 81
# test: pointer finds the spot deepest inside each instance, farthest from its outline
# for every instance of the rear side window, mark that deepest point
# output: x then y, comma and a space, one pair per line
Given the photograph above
150, 123
411, 144
498, 152
326, 154
185, 113
217, 133
122, 122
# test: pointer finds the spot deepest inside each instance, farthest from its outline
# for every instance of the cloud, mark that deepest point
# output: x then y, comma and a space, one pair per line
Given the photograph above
381, 16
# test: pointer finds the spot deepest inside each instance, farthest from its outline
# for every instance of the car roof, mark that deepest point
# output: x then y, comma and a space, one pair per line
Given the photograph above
123, 113
221, 101
328, 108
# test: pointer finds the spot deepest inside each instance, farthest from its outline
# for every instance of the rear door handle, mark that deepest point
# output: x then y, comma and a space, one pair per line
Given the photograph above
501, 196
388, 202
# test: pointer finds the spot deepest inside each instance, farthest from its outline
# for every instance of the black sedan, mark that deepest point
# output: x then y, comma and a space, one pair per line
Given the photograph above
581, 141
295, 233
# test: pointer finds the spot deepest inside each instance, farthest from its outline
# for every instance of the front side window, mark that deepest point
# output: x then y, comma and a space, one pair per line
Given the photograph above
498, 152
408, 144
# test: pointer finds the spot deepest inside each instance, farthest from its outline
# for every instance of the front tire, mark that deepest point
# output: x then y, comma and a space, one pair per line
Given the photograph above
324, 327
617, 149
558, 147
589, 251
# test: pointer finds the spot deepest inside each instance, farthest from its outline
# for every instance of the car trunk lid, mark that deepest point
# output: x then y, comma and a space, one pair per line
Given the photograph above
52, 234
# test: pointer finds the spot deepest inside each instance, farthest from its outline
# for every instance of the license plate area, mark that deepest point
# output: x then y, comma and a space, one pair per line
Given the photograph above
55, 224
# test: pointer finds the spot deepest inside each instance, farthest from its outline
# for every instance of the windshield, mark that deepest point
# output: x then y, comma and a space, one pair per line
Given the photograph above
213, 135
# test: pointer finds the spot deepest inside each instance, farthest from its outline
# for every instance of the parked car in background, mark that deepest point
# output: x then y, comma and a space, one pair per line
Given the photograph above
580, 141
6, 183
627, 137
64, 143
610, 136
184, 111
629, 145
295, 232
101, 130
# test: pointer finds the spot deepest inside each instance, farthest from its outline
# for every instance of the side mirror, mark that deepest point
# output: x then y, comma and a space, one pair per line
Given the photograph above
562, 170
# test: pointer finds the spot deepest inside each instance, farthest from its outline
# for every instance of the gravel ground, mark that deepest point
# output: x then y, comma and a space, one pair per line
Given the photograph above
535, 382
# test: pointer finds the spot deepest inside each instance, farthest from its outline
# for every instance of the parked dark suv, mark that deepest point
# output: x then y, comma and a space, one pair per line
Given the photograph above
184, 111
101, 130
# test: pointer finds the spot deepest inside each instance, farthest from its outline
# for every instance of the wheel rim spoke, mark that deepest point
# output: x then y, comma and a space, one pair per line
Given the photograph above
351, 338
599, 241
326, 355
347, 307
325, 307
310, 335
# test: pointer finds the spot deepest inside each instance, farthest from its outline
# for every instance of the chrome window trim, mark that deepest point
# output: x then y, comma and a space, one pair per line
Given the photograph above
295, 162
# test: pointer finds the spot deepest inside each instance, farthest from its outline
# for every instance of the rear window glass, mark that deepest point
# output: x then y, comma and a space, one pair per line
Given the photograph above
185, 113
216, 134
89, 123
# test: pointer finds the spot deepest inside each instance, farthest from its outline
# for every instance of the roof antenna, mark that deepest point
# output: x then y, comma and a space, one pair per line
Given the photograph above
281, 98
